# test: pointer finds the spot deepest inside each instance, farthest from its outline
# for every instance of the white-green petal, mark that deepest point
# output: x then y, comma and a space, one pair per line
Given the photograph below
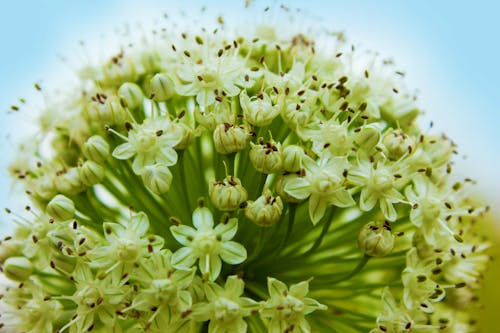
139, 223
342, 198
299, 188
233, 253
211, 265
184, 258
234, 286
124, 151
113, 231
276, 288
317, 207
183, 234
300, 290
141, 161
388, 210
227, 230
167, 155
367, 200
202, 218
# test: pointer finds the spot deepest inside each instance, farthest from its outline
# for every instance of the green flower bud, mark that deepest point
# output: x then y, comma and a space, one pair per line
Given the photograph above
69, 182
131, 94
397, 143
150, 61
96, 149
266, 210
117, 71
292, 158
376, 239
107, 110
91, 173
187, 135
258, 111
18, 268
228, 194
45, 187
161, 87
367, 137
10, 248
438, 149
266, 158
215, 114
157, 178
61, 208
64, 262
229, 138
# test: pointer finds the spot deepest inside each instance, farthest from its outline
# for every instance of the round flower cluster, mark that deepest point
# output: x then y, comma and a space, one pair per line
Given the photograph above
229, 183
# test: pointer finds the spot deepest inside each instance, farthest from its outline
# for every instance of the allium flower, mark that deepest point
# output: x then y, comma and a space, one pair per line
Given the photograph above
215, 181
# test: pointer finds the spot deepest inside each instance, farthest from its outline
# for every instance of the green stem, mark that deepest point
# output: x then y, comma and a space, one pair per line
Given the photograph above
324, 231
182, 172
364, 260
291, 219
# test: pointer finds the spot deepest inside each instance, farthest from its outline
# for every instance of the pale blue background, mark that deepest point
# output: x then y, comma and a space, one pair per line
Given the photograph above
450, 51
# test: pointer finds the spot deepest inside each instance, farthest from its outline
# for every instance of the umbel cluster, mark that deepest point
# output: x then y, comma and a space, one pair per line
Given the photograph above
221, 182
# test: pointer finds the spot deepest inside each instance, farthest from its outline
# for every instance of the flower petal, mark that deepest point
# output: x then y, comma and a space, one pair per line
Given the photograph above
233, 253
317, 208
276, 288
210, 265
227, 230
234, 286
184, 258
124, 151
139, 223
299, 188
202, 218
367, 200
183, 234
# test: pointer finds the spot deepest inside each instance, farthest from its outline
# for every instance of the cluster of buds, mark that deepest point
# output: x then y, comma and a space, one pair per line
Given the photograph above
328, 209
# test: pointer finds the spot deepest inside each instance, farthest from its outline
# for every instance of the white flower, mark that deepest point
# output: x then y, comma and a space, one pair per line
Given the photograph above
203, 77
323, 183
207, 244
151, 142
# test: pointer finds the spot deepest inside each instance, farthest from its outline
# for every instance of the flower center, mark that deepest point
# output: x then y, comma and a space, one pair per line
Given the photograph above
205, 242
127, 250
226, 309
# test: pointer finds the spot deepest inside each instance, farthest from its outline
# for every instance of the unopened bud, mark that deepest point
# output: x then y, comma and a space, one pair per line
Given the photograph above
230, 139
69, 182
397, 143
376, 239
108, 111
131, 94
228, 194
292, 158
61, 208
258, 111
367, 137
96, 149
266, 158
161, 87
266, 210
91, 173
45, 187
214, 114
187, 135
157, 178
18, 268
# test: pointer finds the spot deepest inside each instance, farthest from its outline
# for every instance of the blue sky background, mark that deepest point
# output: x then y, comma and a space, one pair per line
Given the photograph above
450, 51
